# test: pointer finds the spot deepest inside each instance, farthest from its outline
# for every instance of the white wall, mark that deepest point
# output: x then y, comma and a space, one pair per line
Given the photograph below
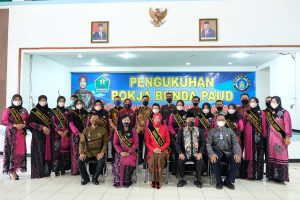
262, 86
284, 82
253, 22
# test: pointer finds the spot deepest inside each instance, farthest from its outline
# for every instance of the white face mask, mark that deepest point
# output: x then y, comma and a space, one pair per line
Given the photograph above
274, 105
17, 103
221, 123
179, 108
253, 105
97, 108
79, 106
155, 110
43, 103
61, 104
231, 111
205, 110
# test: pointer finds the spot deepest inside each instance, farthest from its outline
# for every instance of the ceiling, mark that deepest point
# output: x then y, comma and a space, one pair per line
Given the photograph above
162, 58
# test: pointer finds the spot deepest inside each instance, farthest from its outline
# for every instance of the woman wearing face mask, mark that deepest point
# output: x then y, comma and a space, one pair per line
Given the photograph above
14, 152
127, 110
79, 119
255, 130
279, 132
40, 125
177, 121
62, 142
205, 120
234, 121
157, 139
126, 143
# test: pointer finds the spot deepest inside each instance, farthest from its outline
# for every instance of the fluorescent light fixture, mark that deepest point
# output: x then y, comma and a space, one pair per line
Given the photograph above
188, 63
127, 55
240, 55
79, 56
229, 63
93, 62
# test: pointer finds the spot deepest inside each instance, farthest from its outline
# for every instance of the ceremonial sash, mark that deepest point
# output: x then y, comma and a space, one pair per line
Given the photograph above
17, 115
80, 117
102, 122
204, 122
231, 125
156, 134
60, 116
45, 119
179, 120
255, 121
275, 125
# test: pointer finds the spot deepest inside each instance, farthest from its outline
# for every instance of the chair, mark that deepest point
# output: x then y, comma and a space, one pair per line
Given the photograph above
104, 171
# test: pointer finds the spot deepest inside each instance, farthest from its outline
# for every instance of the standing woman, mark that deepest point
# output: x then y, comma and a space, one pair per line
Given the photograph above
40, 125
255, 130
177, 120
125, 142
78, 121
157, 139
234, 121
205, 119
279, 132
62, 141
14, 154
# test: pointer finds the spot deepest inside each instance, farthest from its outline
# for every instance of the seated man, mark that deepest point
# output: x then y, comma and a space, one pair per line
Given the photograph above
222, 146
190, 146
93, 145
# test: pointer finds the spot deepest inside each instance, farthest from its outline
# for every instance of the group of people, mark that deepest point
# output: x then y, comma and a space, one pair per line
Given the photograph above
67, 138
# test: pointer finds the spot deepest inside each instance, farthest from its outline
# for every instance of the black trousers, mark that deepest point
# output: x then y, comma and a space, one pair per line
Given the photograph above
141, 146
173, 156
229, 159
81, 164
198, 167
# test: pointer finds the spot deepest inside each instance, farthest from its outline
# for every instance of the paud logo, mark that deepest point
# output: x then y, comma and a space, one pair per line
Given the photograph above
241, 83
102, 84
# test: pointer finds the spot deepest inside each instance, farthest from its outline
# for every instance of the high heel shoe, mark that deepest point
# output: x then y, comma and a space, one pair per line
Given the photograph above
13, 178
153, 184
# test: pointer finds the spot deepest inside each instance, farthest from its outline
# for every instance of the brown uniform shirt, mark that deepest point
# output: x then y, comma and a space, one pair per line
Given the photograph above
93, 141
142, 114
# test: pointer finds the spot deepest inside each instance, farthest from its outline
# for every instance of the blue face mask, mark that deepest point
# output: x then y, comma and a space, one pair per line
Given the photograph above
117, 103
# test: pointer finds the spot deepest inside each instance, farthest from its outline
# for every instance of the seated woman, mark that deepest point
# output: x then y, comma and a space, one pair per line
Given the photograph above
125, 142
157, 139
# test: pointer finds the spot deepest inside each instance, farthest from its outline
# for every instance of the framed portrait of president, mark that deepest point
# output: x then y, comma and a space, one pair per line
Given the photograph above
208, 29
99, 32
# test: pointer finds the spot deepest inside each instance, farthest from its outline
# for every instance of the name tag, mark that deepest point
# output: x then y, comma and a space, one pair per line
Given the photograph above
221, 137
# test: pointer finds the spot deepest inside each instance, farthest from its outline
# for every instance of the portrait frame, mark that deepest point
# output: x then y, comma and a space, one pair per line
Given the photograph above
95, 36
211, 34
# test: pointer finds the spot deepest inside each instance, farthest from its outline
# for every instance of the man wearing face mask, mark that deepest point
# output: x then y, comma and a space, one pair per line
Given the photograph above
245, 104
220, 108
127, 110
93, 146
268, 103
73, 98
190, 146
113, 120
195, 109
177, 121
142, 114
40, 125
168, 109
222, 146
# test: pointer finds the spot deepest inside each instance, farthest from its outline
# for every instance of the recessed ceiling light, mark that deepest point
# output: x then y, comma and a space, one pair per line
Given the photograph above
79, 56
188, 63
127, 55
240, 55
93, 62
229, 63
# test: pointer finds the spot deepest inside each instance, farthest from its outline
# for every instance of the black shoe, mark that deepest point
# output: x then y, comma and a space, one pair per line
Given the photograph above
95, 182
229, 185
84, 181
181, 183
219, 186
198, 183
63, 173
57, 173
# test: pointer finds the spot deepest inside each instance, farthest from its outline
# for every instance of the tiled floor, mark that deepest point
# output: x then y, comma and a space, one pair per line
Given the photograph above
68, 187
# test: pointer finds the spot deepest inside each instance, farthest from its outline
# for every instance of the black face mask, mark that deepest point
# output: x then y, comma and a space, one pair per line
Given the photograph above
169, 100
195, 104
126, 124
145, 103
191, 124
219, 108
268, 104
245, 101
127, 105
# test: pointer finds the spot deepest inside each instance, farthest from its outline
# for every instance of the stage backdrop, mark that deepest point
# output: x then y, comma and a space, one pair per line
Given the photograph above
210, 87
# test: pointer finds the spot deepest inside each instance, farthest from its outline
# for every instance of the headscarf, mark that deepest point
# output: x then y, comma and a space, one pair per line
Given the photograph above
279, 108
43, 109
16, 107
235, 117
180, 112
62, 109
160, 116
208, 115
